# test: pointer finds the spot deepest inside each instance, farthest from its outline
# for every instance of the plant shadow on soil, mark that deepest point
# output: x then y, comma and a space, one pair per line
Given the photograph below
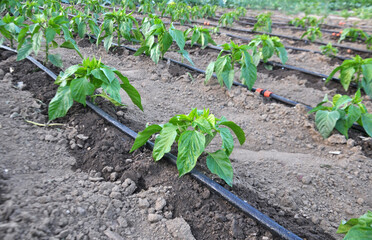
208, 215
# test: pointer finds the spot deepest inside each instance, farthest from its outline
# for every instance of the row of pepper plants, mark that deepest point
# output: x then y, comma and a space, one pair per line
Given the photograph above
80, 81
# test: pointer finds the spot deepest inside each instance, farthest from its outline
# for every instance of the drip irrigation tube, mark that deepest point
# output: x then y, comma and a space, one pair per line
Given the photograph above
234, 200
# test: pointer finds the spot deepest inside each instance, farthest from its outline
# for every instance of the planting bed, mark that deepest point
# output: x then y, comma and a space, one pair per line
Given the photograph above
285, 169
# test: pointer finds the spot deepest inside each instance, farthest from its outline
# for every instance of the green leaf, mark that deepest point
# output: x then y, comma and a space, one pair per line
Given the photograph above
177, 36
60, 103
367, 123
80, 88
50, 33
346, 77
70, 44
25, 51
195, 37
108, 42
341, 101
108, 73
228, 78
64, 75
248, 75
143, 136
82, 29
367, 72
36, 42
155, 53
219, 163
203, 125
236, 129
358, 232
185, 54
282, 54
227, 140
56, 60
326, 121
209, 72
130, 90
190, 147
166, 41
164, 141
113, 89
99, 74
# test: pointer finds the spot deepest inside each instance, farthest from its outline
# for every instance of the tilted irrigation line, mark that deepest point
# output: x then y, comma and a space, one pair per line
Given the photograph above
234, 200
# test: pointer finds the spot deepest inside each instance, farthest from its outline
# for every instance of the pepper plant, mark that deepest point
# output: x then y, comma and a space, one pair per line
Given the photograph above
199, 35
10, 26
270, 45
153, 27
329, 50
44, 27
307, 21
81, 21
357, 228
193, 133
225, 64
352, 71
80, 81
122, 24
353, 34
263, 22
312, 34
342, 113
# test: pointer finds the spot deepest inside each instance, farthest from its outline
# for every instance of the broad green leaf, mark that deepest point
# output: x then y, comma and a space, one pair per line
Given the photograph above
203, 125
36, 42
228, 78
177, 36
141, 50
108, 42
267, 52
367, 72
24, 51
82, 29
248, 75
346, 77
333, 73
155, 54
341, 101
185, 54
99, 74
367, 87
326, 121
70, 44
219, 163
195, 37
190, 147
50, 33
367, 123
143, 136
236, 129
80, 89
209, 72
64, 75
113, 89
282, 54
164, 141
60, 103
108, 73
358, 232
130, 90
227, 140
166, 41
56, 60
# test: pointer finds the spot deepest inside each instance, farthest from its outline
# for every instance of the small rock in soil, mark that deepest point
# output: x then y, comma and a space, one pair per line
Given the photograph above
153, 217
179, 229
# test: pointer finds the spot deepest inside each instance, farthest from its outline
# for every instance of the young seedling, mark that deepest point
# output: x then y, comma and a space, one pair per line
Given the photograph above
312, 34
224, 66
227, 19
270, 45
81, 22
263, 22
193, 133
120, 23
80, 81
45, 28
342, 113
329, 50
353, 34
153, 27
199, 35
307, 21
10, 27
357, 228
352, 71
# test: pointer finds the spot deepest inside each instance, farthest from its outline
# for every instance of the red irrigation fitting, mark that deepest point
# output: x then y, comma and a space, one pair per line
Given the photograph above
259, 90
267, 93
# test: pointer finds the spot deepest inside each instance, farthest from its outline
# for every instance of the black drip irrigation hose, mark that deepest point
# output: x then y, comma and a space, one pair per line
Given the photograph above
234, 200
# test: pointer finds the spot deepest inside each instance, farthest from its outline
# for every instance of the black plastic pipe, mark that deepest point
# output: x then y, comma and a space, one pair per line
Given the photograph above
234, 200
